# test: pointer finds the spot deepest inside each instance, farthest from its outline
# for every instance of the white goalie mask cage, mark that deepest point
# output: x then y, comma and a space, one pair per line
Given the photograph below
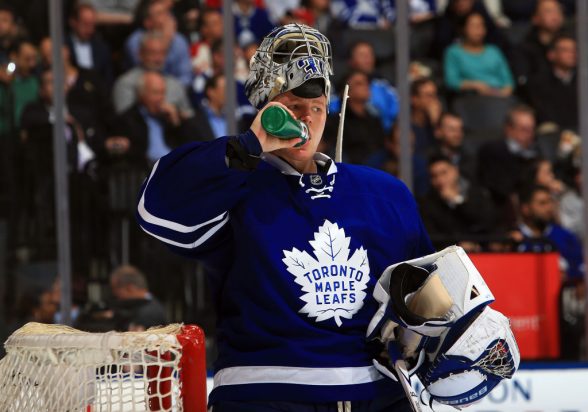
288, 57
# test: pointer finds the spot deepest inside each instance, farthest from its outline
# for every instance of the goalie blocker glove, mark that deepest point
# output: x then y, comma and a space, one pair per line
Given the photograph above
434, 313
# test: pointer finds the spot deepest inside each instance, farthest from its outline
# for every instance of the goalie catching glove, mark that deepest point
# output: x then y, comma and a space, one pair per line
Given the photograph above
434, 314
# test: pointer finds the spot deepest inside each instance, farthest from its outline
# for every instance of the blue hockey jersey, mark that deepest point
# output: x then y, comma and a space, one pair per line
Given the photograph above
295, 261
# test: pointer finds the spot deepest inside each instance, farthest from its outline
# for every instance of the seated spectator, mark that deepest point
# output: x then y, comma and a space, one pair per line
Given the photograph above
153, 125
473, 65
554, 93
530, 56
187, 13
363, 14
314, 13
538, 231
363, 134
244, 111
419, 10
502, 163
383, 96
87, 49
36, 304
211, 31
87, 97
119, 12
135, 308
214, 122
449, 24
540, 172
36, 189
278, 9
158, 18
425, 111
370, 14
252, 23
450, 143
571, 207
152, 54
21, 87
388, 160
519, 11
454, 211
11, 33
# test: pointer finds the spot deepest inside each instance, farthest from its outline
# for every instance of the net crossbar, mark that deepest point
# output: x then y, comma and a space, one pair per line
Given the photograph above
57, 368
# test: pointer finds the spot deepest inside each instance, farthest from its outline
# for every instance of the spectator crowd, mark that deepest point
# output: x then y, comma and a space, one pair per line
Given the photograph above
494, 126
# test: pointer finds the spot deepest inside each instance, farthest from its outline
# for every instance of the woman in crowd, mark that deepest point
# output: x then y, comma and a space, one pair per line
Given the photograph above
472, 65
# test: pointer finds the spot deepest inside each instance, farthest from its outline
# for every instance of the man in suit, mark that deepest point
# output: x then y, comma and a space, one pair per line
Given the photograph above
501, 163
454, 211
152, 125
151, 57
135, 307
449, 137
87, 49
158, 18
553, 93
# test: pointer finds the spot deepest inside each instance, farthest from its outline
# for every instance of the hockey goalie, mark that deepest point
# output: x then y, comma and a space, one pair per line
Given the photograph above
435, 322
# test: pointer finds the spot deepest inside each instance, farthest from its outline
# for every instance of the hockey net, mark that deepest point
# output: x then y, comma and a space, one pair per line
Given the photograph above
54, 368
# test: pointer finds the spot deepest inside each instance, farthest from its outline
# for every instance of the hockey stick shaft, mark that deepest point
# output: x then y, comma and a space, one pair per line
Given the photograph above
339, 145
404, 378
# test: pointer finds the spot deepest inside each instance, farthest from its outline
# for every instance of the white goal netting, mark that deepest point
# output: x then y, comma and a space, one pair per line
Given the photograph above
54, 368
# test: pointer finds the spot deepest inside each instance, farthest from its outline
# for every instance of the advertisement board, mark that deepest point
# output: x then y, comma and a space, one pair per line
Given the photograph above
526, 287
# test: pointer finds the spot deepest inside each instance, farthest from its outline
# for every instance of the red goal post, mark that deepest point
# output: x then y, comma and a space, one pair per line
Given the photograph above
55, 367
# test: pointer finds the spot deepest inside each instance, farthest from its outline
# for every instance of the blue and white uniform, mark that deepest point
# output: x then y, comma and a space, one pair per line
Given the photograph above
295, 260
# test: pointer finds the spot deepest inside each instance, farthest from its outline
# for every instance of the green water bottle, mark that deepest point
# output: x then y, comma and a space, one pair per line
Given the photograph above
278, 122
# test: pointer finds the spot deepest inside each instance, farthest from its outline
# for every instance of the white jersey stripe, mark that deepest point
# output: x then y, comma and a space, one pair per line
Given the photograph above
241, 375
198, 241
169, 224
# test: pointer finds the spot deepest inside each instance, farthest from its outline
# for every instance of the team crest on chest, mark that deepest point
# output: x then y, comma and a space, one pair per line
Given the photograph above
332, 282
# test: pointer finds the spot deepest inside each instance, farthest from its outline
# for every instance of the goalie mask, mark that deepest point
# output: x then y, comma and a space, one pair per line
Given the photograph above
435, 311
292, 57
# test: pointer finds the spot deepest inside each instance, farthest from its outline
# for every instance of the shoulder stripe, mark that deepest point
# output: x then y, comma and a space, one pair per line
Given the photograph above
198, 241
169, 224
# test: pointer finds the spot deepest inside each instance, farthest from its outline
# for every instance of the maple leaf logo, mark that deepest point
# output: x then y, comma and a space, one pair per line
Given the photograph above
334, 284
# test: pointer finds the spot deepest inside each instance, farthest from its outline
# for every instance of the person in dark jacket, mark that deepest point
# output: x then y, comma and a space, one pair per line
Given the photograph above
135, 307
87, 49
455, 211
502, 163
152, 125
530, 57
554, 92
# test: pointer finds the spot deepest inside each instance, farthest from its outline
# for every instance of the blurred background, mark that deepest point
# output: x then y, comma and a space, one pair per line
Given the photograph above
490, 97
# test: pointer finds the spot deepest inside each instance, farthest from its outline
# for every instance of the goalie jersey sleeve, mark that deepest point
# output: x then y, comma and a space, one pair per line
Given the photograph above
296, 259
185, 201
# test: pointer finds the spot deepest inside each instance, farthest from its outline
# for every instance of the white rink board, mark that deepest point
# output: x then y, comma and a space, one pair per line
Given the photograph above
541, 390
531, 390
